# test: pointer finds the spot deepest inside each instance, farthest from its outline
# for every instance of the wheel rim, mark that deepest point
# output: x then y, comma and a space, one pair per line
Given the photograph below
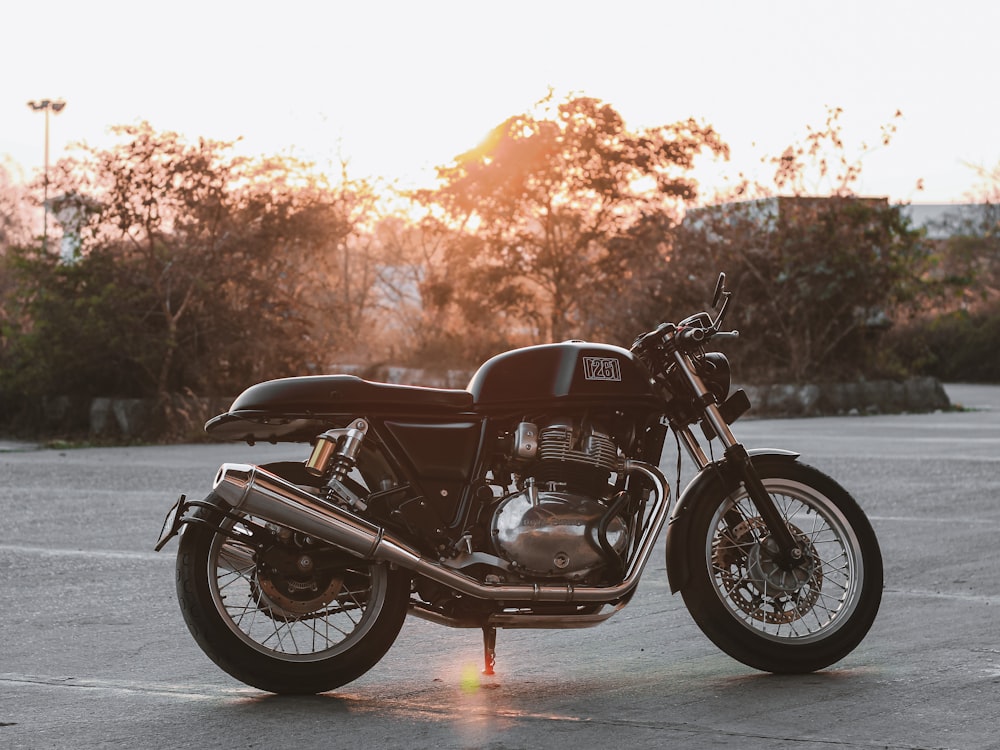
260, 613
805, 604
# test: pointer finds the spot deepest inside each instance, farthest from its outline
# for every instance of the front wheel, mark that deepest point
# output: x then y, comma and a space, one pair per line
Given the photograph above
771, 616
289, 617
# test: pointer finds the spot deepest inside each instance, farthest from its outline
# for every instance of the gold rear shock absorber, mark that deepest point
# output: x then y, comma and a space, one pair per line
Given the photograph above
336, 451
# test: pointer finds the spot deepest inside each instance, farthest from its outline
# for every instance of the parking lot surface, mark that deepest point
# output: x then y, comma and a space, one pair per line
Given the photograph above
94, 652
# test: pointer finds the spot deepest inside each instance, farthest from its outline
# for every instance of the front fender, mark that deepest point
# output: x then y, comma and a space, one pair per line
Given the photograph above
713, 482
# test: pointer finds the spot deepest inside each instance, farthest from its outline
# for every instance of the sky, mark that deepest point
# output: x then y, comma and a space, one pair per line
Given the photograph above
397, 88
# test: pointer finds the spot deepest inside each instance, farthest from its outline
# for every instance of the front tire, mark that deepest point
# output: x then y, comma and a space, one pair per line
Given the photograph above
768, 616
299, 634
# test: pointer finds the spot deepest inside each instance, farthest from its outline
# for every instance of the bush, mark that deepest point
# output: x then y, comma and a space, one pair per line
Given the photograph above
955, 347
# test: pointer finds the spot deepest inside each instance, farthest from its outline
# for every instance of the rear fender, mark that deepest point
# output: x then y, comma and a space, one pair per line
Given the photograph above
714, 481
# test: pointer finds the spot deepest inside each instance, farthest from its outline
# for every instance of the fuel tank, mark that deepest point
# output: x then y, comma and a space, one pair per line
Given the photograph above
573, 373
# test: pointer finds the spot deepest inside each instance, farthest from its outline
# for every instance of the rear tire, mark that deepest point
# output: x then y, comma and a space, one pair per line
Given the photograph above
770, 618
294, 636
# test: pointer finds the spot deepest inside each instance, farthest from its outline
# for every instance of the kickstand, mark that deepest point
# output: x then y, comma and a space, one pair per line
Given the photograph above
490, 648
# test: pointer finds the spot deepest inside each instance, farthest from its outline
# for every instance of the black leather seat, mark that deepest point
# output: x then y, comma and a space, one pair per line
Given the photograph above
297, 409
332, 394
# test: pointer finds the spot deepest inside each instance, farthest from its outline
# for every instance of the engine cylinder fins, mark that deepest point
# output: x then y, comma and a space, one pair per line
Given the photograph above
558, 443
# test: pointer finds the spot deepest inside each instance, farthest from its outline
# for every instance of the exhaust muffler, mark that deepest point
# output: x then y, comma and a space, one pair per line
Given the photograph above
258, 492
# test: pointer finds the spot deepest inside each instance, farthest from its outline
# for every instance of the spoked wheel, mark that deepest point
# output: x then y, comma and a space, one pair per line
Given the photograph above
772, 616
281, 613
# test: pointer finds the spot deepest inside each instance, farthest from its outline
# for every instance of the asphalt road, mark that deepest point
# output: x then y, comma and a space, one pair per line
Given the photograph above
94, 653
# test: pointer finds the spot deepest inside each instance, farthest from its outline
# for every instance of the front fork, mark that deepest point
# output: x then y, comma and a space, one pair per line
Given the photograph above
789, 551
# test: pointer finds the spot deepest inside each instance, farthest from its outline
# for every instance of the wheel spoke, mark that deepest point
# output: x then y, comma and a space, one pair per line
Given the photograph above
274, 617
782, 603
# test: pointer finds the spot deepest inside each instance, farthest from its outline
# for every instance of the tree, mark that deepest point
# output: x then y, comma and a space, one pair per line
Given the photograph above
447, 307
13, 233
536, 211
79, 331
952, 336
199, 271
818, 278
973, 249
14, 223
820, 164
346, 260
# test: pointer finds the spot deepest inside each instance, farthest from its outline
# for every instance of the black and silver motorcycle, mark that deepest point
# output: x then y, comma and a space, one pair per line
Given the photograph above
532, 499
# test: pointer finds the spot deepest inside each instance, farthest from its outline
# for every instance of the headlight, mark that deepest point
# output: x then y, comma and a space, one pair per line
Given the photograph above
715, 373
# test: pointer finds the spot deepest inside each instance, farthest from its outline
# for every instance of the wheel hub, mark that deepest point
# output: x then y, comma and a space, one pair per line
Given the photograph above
769, 575
758, 583
293, 596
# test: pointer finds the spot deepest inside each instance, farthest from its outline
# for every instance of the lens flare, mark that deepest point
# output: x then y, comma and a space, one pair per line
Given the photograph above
469, 680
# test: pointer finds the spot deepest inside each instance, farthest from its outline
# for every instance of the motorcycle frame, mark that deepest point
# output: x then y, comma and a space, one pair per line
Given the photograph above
419, 471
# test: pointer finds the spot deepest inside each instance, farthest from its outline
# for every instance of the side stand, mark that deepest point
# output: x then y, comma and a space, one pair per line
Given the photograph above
490, 648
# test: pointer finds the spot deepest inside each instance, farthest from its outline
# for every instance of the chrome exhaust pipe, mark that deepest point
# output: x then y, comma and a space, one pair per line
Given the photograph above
258, 492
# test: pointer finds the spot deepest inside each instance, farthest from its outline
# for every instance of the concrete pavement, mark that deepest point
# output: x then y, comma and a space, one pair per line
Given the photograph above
94, 652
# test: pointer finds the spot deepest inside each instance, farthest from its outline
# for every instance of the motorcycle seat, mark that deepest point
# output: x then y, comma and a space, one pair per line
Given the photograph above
339, 394
294, 408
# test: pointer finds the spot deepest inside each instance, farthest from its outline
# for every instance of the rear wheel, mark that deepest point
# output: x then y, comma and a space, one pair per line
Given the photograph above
292, 618
775, 617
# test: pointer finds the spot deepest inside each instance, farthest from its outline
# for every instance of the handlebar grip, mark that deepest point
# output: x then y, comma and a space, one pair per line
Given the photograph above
694, 335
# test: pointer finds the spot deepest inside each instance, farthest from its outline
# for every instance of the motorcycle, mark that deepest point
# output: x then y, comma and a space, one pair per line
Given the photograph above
532, 499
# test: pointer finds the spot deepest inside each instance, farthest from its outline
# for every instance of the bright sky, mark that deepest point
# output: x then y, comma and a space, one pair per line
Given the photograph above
400, 86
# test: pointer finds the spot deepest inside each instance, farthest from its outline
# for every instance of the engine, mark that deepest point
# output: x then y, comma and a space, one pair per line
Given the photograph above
562, 523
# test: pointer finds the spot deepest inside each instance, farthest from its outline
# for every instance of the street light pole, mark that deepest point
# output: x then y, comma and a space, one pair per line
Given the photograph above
55, 106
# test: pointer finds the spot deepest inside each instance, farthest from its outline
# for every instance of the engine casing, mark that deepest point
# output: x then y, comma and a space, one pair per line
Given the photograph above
554, 533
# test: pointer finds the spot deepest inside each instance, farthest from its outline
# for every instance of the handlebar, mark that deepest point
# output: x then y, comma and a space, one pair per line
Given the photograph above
688, 336
692, 332
697, 335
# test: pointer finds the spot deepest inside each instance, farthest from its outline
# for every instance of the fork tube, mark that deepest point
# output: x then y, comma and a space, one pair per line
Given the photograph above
707, 401
789, 549
694, 450
738, 457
